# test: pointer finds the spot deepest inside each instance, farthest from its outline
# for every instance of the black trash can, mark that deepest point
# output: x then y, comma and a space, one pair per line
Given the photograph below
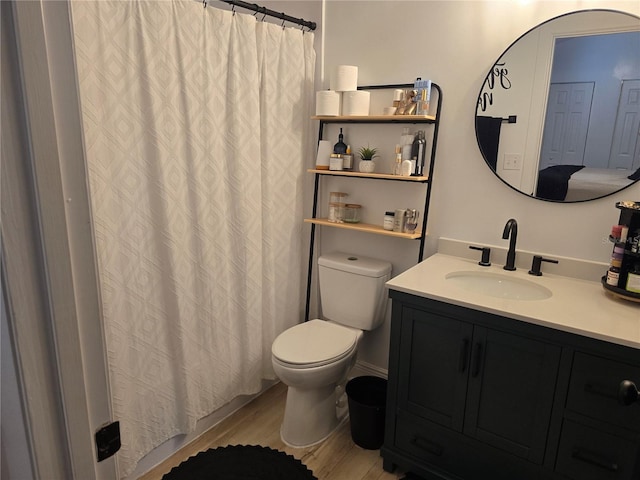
367, 401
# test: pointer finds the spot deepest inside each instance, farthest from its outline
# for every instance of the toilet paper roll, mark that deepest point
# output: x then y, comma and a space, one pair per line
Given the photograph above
355, 103
344, 78
324, 152
398, 94
328, 103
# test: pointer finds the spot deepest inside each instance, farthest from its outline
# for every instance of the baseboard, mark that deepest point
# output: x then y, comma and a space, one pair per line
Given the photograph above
364, 368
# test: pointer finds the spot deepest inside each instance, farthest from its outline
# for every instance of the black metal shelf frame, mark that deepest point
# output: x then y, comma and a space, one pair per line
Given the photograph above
429, 182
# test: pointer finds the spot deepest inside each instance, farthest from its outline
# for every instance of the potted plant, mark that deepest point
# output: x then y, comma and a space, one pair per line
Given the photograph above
367, 154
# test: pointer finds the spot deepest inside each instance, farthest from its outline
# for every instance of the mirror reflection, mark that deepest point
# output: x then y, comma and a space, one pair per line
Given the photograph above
558, 116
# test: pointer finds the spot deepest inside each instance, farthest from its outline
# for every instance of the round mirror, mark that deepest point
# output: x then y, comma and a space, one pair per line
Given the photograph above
558, 116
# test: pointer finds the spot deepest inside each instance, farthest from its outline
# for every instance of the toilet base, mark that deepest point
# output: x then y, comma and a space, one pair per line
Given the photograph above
310, 416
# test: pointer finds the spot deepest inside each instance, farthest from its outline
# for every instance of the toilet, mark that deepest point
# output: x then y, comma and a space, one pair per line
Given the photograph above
313, 358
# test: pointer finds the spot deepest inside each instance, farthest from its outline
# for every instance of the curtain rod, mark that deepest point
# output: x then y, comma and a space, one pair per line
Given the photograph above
271, 13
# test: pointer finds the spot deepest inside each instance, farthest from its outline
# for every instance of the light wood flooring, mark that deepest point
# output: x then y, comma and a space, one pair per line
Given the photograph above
258, 423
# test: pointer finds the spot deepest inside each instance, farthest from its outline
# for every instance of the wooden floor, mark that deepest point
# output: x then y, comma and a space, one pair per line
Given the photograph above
258, 423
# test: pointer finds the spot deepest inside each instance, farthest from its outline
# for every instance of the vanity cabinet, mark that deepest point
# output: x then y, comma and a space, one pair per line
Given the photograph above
474, 395
600, 437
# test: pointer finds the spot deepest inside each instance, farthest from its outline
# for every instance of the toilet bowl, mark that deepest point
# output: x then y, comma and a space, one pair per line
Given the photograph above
313, 358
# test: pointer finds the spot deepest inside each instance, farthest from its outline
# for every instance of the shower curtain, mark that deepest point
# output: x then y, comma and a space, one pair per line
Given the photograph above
196, 128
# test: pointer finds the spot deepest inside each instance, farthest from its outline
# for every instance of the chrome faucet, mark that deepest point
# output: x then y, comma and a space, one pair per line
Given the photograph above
511, 232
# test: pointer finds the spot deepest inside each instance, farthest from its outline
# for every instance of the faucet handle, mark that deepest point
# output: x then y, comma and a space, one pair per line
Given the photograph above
486, 254
537, 264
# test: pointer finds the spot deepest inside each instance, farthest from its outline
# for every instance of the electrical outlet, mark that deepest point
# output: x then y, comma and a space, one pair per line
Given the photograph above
512, 161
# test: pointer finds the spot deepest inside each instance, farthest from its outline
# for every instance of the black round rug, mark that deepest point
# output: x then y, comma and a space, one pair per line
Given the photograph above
241, 462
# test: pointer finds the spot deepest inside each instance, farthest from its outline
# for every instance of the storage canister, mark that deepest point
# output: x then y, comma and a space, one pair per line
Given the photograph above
336, 212
337, 197
352, 213
335, 161
388, 220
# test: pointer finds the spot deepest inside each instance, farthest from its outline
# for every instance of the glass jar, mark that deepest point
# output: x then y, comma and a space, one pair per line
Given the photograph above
337, 197
352, 213
336, 212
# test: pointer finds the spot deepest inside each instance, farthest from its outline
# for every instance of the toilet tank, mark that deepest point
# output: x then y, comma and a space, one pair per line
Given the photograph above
352, 289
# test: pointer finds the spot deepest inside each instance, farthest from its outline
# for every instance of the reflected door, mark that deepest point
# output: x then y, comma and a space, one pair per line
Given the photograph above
566, 124
625, 148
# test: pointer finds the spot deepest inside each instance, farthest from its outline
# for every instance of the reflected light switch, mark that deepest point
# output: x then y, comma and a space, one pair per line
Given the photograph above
512, 161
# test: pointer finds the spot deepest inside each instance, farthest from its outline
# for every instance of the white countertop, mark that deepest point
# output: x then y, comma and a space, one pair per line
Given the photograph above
576, 306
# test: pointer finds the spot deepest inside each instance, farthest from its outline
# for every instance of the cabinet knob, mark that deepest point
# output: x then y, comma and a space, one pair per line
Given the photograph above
628, 393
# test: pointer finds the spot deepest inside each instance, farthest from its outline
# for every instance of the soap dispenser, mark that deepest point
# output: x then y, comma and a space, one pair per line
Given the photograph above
340, 147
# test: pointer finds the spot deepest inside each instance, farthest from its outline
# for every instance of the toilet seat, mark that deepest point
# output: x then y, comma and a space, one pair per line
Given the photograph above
313, 344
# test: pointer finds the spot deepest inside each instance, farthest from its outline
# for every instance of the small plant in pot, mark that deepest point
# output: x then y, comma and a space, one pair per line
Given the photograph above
367, 154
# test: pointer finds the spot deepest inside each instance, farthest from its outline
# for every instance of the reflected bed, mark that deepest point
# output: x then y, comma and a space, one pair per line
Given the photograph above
574, 183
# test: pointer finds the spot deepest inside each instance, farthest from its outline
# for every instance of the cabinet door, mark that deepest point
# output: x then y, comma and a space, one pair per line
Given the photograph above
434, 359
511, 388
593, 390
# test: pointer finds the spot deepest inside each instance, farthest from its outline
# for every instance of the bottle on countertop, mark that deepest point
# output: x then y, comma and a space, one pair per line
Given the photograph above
340, 147
613, 276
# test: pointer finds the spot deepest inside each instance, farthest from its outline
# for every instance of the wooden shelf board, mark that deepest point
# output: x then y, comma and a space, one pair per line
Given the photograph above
377, 118
385, 176
364, 227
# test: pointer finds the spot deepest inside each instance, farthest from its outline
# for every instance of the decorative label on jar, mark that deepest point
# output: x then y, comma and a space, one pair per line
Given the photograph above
633, 282
613, 276
388, 220
335, 161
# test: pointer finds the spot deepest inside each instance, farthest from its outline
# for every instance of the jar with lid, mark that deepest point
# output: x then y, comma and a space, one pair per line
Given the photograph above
337, 197
336, 206
613, 276
352, 213
336, 212
388, 220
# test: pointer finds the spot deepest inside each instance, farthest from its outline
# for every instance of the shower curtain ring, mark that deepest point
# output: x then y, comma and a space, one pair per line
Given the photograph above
204, 3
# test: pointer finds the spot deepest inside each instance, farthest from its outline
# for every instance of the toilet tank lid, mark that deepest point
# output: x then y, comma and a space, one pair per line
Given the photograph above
358, 264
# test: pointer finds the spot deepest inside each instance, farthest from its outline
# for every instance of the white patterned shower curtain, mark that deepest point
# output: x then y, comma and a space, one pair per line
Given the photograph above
196, 127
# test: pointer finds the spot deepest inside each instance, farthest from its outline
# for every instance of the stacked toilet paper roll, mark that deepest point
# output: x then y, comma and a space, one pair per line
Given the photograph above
344, 78
343, 98
355, 103
328, 103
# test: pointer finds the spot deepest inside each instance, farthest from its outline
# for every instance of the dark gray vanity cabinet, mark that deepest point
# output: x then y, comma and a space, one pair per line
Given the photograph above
474, 395
600, 438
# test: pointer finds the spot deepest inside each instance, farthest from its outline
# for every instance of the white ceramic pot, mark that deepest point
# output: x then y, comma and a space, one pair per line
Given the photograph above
367, 166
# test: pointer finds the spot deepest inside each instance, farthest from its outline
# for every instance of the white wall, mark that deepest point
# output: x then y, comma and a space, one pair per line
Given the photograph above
455, 44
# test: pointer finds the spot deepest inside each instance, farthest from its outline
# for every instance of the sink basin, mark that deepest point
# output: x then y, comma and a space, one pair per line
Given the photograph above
499, 285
